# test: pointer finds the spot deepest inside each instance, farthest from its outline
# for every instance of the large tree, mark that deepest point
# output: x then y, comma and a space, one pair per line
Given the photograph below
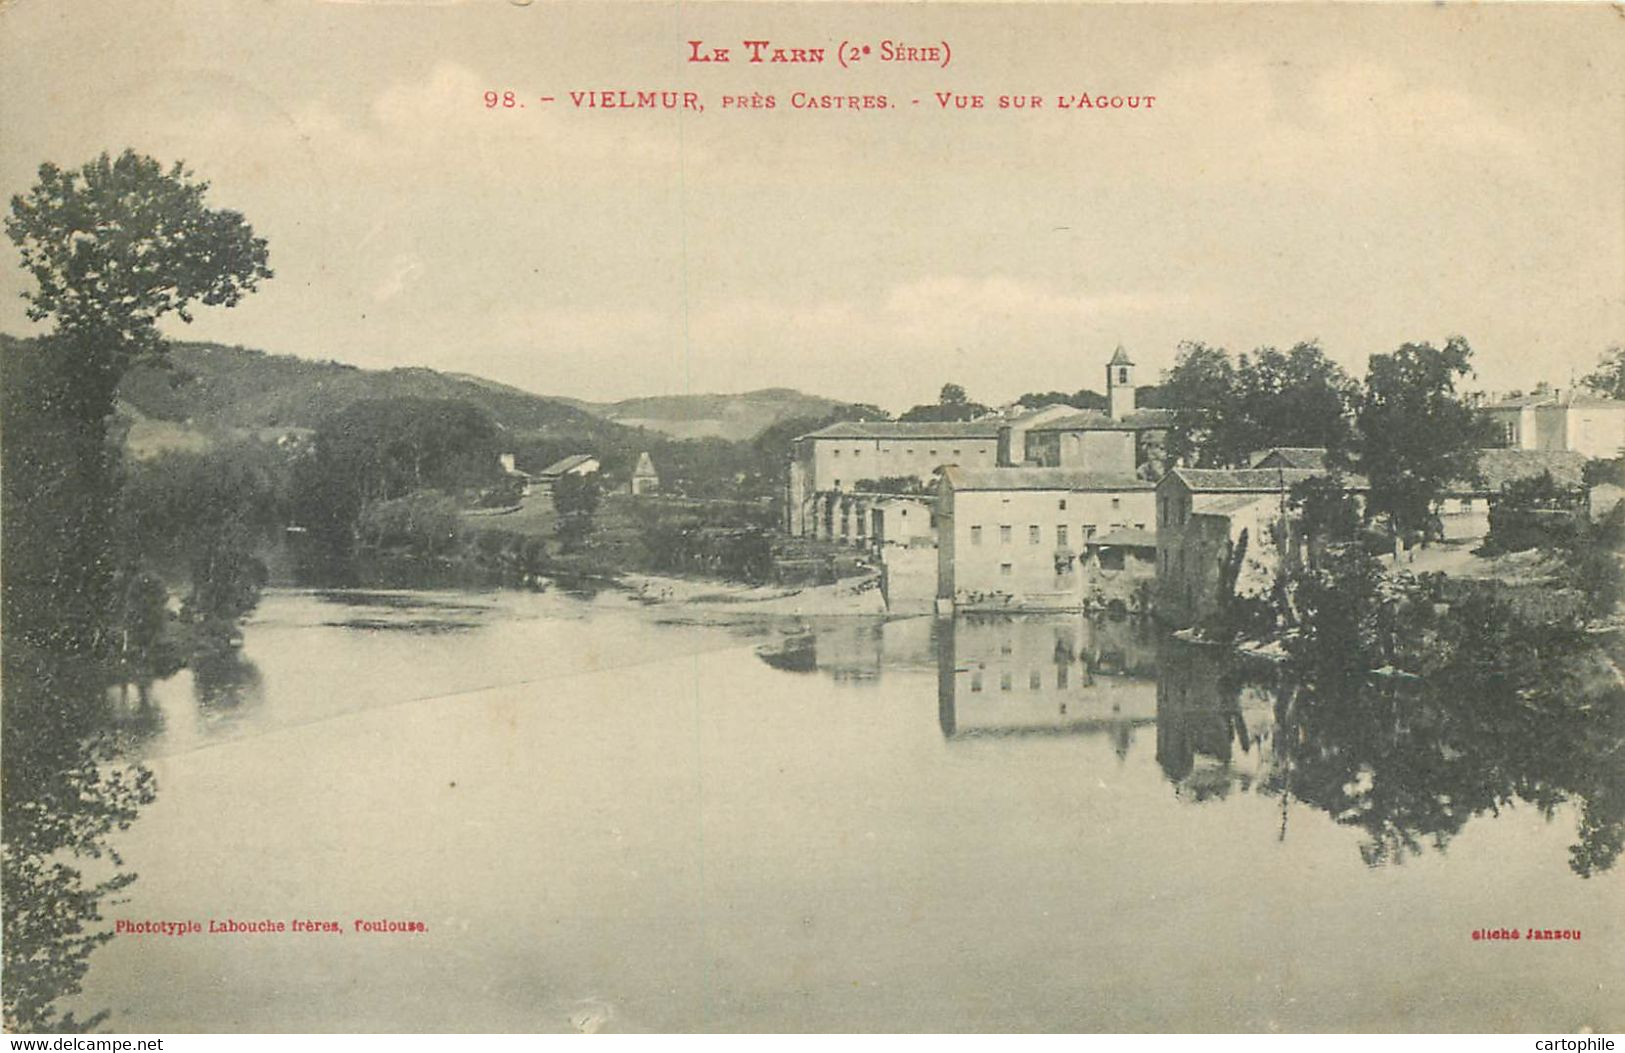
116, 245
1300, 398
1415, 433
1202, 390
113, 246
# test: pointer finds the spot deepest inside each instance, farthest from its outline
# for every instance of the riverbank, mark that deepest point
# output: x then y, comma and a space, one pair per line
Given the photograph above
853, 596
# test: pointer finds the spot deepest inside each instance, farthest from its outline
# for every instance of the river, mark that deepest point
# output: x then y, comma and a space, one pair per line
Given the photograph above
609, 816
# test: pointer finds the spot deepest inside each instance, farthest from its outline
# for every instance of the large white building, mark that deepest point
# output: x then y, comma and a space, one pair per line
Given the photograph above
1560, 419
835, 471
1041, 538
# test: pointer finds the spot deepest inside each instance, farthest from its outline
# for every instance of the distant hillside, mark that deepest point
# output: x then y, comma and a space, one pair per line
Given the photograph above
232, 386
737, 417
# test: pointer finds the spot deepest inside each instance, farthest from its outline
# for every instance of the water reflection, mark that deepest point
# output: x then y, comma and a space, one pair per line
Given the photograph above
1010, 675
64, 792
1406, 762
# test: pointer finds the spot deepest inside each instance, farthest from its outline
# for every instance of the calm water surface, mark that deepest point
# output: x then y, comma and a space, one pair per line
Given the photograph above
612, 818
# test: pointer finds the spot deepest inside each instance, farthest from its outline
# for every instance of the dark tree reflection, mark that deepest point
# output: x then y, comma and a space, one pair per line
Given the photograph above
1409, 762
62, 792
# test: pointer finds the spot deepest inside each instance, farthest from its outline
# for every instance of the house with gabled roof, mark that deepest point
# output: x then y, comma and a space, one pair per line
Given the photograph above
1560, 419
1208, 519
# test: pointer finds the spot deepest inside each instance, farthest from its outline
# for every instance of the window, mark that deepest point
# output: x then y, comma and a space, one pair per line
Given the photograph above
1004, 570
1060, 536
1063, 504
976, 681
1034, 681
1004, 681
1122, 375
857, 453
837, 453
837, 484
956, 453
976, 535
1032, 534
933, 453
903, 512
1137, 526
1061, 671
1088, 528
1004, 535
1117, 502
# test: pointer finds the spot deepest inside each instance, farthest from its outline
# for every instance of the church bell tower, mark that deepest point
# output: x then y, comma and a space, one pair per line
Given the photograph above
1120, 385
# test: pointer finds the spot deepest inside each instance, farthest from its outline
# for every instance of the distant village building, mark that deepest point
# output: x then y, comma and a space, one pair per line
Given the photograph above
1202, 515
827, 465
1560, 419
1121, 440
1041, 538
1463, 507
898, 519
645, 480
510, 471
822, 498
575, 464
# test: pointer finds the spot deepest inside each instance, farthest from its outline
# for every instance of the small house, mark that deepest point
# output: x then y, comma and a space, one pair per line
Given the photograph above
645, 480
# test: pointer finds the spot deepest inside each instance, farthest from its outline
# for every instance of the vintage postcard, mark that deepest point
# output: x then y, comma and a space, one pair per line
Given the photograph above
799, 517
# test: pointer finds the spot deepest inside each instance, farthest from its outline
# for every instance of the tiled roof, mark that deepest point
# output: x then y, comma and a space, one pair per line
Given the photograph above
1127, 537
1252, 480
1293, 457
1094, 420
1499, 467
564, 464
1040, 479
1224, 504
888, 429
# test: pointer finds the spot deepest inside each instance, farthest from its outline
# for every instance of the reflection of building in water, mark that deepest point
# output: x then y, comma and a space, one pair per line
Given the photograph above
1035, 674
855, 648
1211, 730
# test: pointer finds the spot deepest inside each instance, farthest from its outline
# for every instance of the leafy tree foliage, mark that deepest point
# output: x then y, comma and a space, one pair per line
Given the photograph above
424, 523
576, 499
1224, 411
116, 245
1416, 433
1083, 399
952, 405
381, 449
1201, 390
1609, 377
1299, 398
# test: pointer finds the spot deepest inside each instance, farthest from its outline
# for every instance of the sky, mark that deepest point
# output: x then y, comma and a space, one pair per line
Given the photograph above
1362, 176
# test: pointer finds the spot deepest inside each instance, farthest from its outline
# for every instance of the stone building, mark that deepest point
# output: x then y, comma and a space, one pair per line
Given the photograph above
1123, 440
1204, 516
1041, 538
1560, 419
824, 498
645, 480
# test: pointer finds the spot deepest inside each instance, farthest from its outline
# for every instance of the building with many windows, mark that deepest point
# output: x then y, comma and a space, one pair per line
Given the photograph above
836, 472
1041, 538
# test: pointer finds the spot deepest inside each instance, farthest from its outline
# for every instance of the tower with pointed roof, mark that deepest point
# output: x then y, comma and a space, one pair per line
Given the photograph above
1120, 385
